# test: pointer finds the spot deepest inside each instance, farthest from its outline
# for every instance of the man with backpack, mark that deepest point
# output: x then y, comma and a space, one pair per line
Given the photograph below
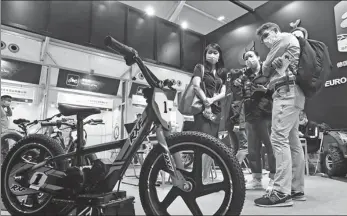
281, 66
297, 67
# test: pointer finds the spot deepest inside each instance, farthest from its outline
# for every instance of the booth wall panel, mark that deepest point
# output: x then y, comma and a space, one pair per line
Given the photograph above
168, 43
31, 15
82, 61
140, 33
29, 49
155, 39
70, 21
108, 18
192, 50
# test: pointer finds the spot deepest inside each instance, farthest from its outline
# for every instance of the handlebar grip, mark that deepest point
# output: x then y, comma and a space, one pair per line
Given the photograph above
118, 46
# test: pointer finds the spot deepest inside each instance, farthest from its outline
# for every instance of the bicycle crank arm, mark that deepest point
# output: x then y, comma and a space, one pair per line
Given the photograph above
172, 161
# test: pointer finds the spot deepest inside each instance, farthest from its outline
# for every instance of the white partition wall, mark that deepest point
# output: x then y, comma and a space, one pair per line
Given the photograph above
53, 55
29, 48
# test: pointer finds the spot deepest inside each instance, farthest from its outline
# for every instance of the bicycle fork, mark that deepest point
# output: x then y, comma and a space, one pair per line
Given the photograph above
172, 161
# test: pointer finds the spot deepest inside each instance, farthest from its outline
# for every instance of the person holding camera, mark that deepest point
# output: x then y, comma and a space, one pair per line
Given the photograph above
257, 109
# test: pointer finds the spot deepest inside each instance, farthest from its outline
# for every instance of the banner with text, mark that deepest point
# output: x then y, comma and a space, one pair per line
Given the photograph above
87, 82
19, 94
84, 100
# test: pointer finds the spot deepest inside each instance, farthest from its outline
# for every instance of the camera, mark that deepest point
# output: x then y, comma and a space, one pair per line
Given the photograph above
246, 85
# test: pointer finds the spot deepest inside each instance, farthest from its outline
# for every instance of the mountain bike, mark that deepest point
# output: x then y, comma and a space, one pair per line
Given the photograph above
90, 191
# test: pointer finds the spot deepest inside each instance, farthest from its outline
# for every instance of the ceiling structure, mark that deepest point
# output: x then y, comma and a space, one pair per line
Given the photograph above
200, 16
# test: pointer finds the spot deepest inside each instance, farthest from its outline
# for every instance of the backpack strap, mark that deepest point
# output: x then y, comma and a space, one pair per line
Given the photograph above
287, 80
202, 80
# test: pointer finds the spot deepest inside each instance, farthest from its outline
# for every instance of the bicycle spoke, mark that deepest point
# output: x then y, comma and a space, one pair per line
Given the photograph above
41, 156
197, 165
192, 205
35, 198
170, 197
212, 188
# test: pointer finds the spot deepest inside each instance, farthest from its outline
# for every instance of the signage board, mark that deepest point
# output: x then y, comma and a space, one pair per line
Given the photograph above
87, 82
20, 71
340, 10
335, 82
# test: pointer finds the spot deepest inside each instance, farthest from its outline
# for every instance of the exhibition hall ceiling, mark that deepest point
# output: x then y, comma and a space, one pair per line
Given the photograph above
200, 16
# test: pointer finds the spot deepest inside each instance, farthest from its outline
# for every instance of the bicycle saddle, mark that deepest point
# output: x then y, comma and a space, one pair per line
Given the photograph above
20, 121
69, 110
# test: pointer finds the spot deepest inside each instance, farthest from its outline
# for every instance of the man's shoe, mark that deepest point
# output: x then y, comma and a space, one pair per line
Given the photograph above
298, 196
254, 184
274, 199
270, 186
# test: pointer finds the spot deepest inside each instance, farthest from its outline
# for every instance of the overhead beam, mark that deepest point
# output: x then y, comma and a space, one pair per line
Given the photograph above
244, 6
204, 13
174, 15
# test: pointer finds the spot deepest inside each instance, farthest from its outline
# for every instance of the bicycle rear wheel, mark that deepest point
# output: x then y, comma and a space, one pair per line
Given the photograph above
232, 185
31, 149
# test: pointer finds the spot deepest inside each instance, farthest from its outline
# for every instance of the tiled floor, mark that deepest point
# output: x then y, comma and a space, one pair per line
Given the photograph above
324, 197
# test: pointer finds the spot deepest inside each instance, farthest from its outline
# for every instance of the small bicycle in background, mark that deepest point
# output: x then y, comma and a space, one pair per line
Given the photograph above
71, 144
9, 138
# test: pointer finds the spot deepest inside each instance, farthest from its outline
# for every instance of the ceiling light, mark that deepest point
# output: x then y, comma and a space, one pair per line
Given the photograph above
221, 18
149, 11
184, 25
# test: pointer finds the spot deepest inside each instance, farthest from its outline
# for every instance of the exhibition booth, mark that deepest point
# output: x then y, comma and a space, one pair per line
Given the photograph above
51, 55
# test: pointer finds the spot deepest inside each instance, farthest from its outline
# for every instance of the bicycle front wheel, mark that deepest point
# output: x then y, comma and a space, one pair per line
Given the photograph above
224, 182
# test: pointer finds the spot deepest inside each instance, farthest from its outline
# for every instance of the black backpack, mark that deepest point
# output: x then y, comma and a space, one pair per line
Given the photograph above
314, 66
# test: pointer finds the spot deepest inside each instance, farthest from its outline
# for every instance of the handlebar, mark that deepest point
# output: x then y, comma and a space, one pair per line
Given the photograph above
23, 123
59, 123
131, 57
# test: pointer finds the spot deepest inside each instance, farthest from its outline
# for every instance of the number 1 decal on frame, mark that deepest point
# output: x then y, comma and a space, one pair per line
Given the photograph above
165, 107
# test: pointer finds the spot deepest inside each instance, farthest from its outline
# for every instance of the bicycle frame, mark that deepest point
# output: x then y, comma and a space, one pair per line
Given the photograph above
128, 148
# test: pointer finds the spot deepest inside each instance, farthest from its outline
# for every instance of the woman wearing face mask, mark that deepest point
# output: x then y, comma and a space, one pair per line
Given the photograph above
257, 108
209, 82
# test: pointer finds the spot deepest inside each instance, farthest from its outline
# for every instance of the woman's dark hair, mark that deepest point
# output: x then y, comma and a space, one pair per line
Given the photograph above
220, 63
255, 52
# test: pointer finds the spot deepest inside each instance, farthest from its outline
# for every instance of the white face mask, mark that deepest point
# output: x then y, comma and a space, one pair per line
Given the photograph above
270, 40
251, 60
212, 56
251, 63
212, 60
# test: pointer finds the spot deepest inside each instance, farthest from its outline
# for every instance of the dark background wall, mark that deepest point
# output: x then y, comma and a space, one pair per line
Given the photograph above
87, 23
319, 20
